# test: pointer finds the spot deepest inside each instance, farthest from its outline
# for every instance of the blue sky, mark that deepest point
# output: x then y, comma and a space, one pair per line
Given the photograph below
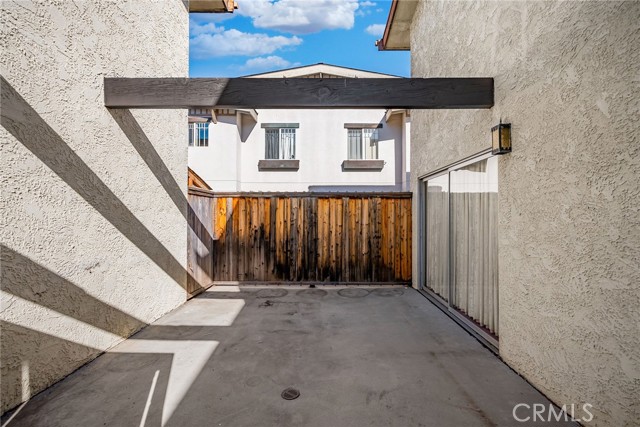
267, 35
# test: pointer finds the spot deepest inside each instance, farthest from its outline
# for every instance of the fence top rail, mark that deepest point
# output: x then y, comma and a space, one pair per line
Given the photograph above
328, 194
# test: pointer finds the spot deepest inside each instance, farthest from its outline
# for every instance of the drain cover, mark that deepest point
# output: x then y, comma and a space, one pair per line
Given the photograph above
290, 393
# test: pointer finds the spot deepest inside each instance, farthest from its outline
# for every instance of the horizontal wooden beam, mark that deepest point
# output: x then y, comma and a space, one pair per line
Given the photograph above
212, 6
418, 93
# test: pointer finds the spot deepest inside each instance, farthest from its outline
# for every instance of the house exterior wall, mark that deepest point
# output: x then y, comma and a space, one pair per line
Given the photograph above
93, 245
218, 162
230, 162
566, 77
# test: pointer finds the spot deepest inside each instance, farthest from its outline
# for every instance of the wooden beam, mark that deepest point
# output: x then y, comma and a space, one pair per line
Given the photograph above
274, 93
212, 6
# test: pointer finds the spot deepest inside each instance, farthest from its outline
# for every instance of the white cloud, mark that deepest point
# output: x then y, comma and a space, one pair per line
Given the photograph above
209, 41
300, 16
211, 28
268, 63
375, 29
367, 3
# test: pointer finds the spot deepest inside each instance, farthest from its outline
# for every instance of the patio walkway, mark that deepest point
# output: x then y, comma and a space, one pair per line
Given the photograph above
358, 356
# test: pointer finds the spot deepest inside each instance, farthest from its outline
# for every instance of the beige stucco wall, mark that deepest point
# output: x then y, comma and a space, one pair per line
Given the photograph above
566, 77
93, 245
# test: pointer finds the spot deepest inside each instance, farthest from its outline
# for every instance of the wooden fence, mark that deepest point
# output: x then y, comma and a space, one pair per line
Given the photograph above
301, 237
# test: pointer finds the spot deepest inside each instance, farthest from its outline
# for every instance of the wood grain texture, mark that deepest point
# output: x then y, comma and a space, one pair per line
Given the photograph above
418, 93
356, 238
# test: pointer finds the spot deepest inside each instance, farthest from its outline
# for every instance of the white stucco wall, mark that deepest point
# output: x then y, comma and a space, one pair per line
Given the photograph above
93, 246
566, 77
230, 163
218, 162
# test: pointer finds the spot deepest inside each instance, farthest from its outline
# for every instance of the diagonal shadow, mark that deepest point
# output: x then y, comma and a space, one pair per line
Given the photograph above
29, 280
26, 125
131, 128
136, 135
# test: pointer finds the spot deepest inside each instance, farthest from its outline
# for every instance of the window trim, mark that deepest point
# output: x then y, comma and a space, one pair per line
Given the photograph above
280, 133
363, 125
194, 129
280, 125
363, 142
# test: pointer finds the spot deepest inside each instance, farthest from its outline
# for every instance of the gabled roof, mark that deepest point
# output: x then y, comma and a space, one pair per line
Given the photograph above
322, 70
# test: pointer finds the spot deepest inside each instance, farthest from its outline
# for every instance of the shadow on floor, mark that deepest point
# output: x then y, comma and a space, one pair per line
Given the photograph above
361, 357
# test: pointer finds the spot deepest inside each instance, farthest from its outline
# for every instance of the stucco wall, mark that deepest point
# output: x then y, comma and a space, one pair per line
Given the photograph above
217, 163
93, 244
231, 161
566, 77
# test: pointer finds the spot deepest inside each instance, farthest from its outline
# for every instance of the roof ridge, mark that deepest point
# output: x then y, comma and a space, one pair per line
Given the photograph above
321, 63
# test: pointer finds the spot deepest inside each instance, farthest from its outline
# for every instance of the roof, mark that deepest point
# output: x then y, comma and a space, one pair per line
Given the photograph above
397, 32
322, 70
194, 180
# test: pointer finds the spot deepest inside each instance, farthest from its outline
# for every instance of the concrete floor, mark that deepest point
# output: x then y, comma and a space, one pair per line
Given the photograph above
359, 356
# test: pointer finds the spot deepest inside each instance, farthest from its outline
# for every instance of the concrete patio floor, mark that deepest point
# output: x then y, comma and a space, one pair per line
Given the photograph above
358, 356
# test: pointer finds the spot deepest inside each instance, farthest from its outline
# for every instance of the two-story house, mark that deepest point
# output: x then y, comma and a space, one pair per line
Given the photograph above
302, 149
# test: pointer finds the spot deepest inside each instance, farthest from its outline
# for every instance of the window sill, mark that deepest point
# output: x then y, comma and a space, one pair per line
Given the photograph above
278, 165
362, 165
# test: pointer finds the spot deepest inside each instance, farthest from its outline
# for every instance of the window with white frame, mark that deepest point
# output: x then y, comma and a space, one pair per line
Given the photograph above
280, 143
198, 134
363, 143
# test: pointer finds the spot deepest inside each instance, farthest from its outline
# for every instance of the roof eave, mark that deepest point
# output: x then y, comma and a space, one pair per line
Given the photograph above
396, 34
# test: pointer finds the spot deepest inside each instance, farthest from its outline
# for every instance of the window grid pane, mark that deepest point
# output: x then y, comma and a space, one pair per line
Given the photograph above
288, 143
198, 134
354, 138
370, 139
280, 143
272, 141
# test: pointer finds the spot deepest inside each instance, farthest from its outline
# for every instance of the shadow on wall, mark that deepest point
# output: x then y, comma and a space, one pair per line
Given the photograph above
26, 125
246, 127
131, 128
29, 349
45, 296
142, 381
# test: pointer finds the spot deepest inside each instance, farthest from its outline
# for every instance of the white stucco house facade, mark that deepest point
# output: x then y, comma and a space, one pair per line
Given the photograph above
302, 149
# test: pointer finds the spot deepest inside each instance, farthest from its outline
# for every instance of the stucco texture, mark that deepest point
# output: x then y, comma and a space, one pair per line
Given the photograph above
93, 201
566, 77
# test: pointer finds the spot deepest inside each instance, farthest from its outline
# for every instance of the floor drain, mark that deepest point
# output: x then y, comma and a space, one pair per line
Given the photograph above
290, 393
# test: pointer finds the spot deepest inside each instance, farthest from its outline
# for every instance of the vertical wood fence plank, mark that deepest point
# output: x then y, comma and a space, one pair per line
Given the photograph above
347, 238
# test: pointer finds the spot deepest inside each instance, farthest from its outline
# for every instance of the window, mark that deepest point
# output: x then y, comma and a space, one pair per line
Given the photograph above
198, 134
461, 241
280, 143
363, 143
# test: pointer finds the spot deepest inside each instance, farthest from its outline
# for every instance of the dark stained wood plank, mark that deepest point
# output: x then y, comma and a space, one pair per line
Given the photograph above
416, 93
308, 239
273, 205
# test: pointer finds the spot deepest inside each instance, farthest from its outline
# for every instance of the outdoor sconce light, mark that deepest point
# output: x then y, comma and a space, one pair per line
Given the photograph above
501, 138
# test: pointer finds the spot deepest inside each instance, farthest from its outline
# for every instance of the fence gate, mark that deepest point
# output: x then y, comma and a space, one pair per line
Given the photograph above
346, 238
